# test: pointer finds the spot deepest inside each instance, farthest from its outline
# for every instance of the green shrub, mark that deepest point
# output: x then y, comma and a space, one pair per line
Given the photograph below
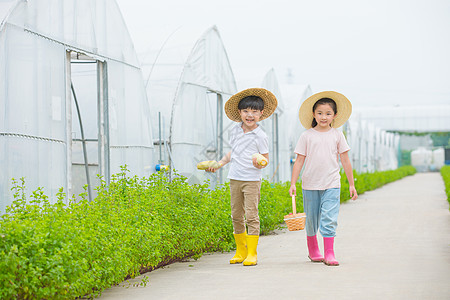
445, 172
63, 251
370, 181
275, 204
58, 251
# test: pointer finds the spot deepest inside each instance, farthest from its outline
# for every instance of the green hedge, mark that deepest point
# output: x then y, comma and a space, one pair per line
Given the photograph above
370, 181
59, 251
445, 172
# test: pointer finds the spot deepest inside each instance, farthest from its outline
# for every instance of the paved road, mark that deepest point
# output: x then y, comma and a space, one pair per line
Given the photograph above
392, 243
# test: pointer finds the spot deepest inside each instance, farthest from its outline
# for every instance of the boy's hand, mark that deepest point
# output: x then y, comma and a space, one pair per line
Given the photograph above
293, 190
212, 169
353, 193
255, 163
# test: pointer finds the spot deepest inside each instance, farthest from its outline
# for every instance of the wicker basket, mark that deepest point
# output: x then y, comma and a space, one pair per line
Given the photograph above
295, 221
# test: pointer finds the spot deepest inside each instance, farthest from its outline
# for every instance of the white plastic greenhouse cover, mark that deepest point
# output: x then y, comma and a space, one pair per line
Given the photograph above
372, 149
279, 166
426, 118
189, 84
45, 45
290, 127
294, 95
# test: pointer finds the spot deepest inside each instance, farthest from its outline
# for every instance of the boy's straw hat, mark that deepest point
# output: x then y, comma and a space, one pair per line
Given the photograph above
270, 103
344, 108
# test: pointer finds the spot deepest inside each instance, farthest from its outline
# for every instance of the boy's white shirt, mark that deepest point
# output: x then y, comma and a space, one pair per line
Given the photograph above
322, 151
243, 146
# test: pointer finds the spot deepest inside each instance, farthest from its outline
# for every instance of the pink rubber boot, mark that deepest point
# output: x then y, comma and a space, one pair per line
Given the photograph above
313, 249
330, 260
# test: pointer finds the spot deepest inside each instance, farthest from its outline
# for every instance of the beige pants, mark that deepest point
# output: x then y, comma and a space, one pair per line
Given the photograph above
245, 196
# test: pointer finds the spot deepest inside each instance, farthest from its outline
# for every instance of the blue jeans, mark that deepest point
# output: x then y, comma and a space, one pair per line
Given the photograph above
322, 210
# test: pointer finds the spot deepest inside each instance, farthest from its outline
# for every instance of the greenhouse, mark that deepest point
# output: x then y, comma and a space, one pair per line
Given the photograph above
428, 118
279, 168
72, 97
290, 126
372, 149
187, 86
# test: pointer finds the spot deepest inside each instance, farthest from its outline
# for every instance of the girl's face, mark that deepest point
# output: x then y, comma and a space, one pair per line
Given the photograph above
250, 117
324, 115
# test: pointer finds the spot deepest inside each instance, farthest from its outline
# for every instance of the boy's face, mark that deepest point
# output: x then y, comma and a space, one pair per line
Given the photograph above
250, 116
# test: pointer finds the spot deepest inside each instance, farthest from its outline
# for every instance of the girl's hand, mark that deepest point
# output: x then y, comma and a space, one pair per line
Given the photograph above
293, 190
353, 193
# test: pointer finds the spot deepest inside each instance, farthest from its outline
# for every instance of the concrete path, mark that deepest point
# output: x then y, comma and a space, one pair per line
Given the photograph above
392, 243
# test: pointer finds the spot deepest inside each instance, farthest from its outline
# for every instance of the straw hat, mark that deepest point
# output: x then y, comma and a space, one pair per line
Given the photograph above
270, 103
344, 108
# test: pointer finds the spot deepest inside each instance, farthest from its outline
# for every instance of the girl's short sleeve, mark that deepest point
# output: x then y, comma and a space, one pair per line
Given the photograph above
301, 145
342, 143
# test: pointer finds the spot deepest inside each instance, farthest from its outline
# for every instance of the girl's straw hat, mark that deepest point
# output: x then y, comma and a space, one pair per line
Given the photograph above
344, 108
270, 103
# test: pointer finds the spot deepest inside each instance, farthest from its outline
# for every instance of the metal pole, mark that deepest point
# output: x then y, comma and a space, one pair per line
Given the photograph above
86, 166
105, 122
276, 149
164, 139
219, 132
160, 149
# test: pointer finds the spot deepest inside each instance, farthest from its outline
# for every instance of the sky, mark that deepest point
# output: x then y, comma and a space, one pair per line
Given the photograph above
377, 53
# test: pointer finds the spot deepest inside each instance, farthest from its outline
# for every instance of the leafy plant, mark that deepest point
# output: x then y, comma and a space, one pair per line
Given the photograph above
445, 172
64, 251
370, 181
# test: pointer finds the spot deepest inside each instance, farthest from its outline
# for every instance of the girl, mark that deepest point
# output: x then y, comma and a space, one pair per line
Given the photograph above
319, 148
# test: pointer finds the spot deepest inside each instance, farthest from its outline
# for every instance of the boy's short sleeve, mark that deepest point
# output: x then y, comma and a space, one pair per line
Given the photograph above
232, 135
342, 144
300, 148
243, 146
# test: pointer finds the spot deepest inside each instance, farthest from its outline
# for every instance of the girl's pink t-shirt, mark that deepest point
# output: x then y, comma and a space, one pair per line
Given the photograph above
322, 151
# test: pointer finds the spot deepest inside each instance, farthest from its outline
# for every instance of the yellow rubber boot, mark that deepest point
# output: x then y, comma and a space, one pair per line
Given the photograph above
241, 248
252, 244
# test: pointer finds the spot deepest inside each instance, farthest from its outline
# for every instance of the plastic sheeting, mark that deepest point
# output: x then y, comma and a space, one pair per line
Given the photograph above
44, 44
372, 149
427, 118
279, 166
290, 126
188, 84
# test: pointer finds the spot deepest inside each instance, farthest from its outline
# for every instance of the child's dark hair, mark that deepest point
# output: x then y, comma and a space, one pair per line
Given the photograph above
321, 101
252, 102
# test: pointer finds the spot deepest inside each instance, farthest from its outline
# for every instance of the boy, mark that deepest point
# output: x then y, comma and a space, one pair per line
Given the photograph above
247, 107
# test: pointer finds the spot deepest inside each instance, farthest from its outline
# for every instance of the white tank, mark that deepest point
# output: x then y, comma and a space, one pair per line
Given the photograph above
438, 158
421, 159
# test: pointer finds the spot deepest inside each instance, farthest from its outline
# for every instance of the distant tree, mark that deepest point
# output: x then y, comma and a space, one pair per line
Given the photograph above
440, 139
405, 159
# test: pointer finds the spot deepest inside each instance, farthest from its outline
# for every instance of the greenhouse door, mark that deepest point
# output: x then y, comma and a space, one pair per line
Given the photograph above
90, 151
